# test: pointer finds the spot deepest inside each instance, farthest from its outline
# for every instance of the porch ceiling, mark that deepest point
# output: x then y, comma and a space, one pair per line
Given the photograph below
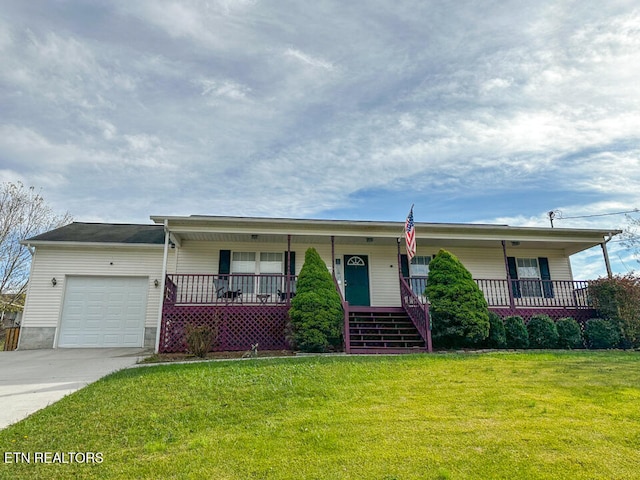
281, 239
273, 230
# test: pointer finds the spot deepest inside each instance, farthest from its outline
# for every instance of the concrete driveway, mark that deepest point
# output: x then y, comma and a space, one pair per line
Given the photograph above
32, 379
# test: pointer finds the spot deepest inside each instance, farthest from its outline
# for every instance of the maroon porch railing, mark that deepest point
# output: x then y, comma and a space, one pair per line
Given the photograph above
206, 289
526, 293
537, 293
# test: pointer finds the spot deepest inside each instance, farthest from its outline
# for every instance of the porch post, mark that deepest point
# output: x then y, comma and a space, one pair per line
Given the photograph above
428, 317
162, 283
512, 303
606, 257
333, 256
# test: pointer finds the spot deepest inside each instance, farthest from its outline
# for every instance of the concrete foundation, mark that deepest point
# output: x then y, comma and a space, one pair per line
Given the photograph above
33, 338
150, 337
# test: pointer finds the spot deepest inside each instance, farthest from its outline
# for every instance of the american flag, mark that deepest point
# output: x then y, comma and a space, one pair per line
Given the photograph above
410, 235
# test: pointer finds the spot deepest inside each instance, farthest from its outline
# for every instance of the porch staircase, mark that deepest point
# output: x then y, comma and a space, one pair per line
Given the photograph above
383, 330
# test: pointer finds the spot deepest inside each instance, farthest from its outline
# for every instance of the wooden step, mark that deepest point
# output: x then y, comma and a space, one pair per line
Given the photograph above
386, 351
386, 331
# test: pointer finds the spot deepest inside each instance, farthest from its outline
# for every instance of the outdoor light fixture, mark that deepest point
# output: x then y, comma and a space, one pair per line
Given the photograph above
515, 244
254, 237
156, 283
54, 282
369, 240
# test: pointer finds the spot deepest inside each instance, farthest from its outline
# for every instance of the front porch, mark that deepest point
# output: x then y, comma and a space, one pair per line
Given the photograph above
247, 309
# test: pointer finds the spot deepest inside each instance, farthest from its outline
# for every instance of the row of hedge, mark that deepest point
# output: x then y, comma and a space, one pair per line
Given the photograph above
542, 332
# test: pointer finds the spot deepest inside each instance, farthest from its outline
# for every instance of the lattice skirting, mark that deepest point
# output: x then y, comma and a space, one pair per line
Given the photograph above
238, 326
581, 315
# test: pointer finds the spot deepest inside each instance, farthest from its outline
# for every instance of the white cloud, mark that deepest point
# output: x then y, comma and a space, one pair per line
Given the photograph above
227, 89
308, 59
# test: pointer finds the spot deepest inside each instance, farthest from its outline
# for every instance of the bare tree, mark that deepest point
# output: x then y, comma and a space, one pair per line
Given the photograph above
23, 214
631, 236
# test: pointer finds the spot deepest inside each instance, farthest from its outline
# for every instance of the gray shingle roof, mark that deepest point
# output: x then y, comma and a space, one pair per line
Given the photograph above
103, 233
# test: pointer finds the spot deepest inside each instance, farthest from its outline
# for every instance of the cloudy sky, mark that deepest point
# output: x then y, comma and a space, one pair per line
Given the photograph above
476, 111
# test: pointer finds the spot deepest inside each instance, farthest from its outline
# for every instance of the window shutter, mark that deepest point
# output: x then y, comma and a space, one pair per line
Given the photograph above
404, 265
513, 274
545, 276
290, 269
224, 262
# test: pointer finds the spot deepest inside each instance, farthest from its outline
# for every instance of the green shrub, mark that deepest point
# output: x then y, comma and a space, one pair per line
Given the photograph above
542, 332
497, 337
569, 334
459, 312
199, 339
516, 332
601, 333
316, 311
617, 299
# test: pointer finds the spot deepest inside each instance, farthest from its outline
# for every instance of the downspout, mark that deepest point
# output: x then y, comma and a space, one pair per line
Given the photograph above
606, 255
512, 303
162, 283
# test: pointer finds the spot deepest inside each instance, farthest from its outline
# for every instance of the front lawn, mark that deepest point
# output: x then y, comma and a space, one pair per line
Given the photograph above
503, 415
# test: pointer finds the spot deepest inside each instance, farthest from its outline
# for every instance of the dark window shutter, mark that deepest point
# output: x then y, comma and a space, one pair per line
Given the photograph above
545, 276
224, 262
290, 269
513, 274
404, 265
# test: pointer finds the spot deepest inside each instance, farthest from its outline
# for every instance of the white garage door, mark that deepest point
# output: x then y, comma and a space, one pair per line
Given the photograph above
103, 312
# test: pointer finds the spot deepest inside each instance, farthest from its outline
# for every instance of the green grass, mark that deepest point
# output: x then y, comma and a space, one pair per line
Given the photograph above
503, 415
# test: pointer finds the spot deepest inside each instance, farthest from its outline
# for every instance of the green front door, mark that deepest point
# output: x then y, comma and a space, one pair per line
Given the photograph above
356, 280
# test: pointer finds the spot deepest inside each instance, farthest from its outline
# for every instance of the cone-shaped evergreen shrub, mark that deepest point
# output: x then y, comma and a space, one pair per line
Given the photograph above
459, 312
316, 311
542, 332
497, 337
569, 334
600, 333
516, 332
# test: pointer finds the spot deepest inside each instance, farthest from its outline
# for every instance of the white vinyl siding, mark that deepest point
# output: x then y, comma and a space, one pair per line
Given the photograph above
43, 305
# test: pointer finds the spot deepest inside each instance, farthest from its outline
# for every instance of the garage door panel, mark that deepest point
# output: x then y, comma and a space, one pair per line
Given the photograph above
103, 312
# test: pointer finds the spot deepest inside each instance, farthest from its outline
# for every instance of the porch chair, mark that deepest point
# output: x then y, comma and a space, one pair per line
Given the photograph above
282, 296
229, 295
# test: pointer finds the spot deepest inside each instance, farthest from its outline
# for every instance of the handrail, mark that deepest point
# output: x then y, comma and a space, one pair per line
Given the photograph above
417, 312
345, 309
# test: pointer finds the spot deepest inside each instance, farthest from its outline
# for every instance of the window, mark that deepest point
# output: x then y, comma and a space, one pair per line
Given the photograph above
529, 275
246, 265
243, 263
419, 271
270, 263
